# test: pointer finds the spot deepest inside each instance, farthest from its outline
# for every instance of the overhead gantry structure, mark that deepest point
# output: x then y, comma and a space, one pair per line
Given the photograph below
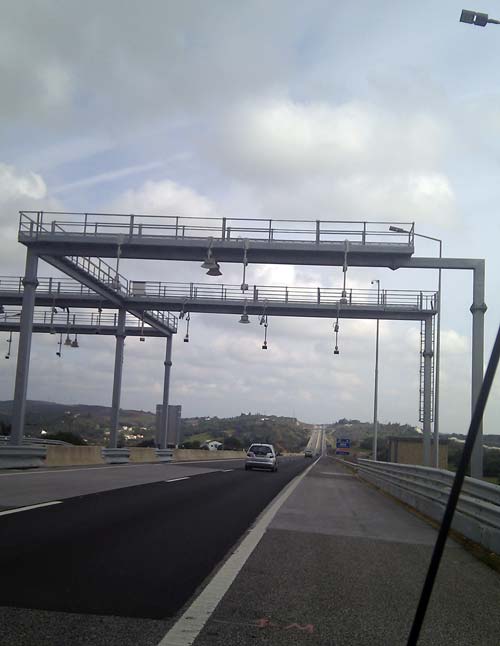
264, 301
76, 243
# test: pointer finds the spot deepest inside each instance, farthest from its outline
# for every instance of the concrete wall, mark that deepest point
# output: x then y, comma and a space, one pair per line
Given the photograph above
63, 456
181, 455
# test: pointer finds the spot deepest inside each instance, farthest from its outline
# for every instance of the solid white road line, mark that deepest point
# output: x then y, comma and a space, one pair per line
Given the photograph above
190, 624
226, 470
177, 479
42, 504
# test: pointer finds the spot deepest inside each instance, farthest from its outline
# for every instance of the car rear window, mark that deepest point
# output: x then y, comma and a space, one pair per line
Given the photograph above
260, 449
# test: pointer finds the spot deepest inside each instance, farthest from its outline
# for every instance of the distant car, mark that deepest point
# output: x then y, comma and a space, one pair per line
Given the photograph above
308, 453
261, 456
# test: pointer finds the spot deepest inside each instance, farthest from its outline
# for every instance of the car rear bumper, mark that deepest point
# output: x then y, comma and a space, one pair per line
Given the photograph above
261, 464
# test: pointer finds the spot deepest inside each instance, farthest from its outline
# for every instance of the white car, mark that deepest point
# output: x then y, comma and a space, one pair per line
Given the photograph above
261, 456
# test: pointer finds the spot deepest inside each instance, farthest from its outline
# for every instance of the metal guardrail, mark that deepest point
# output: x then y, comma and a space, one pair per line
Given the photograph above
418, 300
99, 270
427, 489
37, 440
33, 224
412, 299
70, 321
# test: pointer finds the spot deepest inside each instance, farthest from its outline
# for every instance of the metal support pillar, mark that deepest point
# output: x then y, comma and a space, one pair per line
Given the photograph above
375, 397
117, 380
166, 389
427, 390
478, 309
30, 284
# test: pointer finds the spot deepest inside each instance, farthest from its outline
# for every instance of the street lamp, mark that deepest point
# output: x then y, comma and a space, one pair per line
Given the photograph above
438, 345
375, 392
475, 18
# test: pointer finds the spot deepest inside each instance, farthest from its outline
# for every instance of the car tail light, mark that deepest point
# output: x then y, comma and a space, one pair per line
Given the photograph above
250, 455
270, 455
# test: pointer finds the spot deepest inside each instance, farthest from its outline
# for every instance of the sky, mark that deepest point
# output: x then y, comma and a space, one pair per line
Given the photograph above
273, 109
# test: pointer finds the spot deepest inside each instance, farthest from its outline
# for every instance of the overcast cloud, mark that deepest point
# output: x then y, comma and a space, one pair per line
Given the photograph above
280, 109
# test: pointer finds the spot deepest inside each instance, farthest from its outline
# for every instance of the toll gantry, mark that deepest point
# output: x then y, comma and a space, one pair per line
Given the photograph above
77, 244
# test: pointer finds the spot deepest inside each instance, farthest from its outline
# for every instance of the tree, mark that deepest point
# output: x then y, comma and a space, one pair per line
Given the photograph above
4, 428
232, 443
66, 436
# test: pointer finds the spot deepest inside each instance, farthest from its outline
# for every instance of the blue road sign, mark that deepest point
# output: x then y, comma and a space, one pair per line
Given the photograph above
343, 443
339, 452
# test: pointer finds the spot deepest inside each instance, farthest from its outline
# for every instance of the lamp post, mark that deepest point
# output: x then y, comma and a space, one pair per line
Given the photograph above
476, 18
375, 390
438, 344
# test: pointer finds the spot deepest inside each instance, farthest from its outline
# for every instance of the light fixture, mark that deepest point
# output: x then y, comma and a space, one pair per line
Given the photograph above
210, 263
397, 229
215, 270
142, 337
343, 298
476, 18
244, 317
9, 343
264, 345
74, 343
59, 352
99, 313
336, 328
67, 342
188, 319
244, 284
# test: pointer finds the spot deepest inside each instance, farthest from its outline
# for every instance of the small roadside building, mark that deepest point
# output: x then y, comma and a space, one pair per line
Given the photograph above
410, 450
211, 445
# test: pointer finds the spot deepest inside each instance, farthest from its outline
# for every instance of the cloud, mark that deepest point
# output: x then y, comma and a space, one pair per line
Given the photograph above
15, 185
109, 176
351, 160
19, 190
279, 138
164, 197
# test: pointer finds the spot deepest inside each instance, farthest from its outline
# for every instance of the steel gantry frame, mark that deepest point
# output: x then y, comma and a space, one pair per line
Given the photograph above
226, 299
69, 240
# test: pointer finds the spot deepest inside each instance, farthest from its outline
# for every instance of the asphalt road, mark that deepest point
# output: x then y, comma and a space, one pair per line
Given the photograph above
137, 551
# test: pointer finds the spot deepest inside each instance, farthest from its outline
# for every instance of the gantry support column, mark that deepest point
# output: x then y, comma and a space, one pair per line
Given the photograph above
163, 453
16, 454
478, 309
113, 454
427, 390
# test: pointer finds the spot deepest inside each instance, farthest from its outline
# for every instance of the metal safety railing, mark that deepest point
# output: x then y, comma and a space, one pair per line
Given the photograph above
386, 299
34, 224
51, 286
61, 318
101, 271
417, 300
478, 512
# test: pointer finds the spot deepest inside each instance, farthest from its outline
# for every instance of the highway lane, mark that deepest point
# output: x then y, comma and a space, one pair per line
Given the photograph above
137, 551
22, 488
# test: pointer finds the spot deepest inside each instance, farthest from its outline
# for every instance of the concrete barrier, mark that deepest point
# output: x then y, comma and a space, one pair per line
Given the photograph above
64, 456
142, 454
182, 455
